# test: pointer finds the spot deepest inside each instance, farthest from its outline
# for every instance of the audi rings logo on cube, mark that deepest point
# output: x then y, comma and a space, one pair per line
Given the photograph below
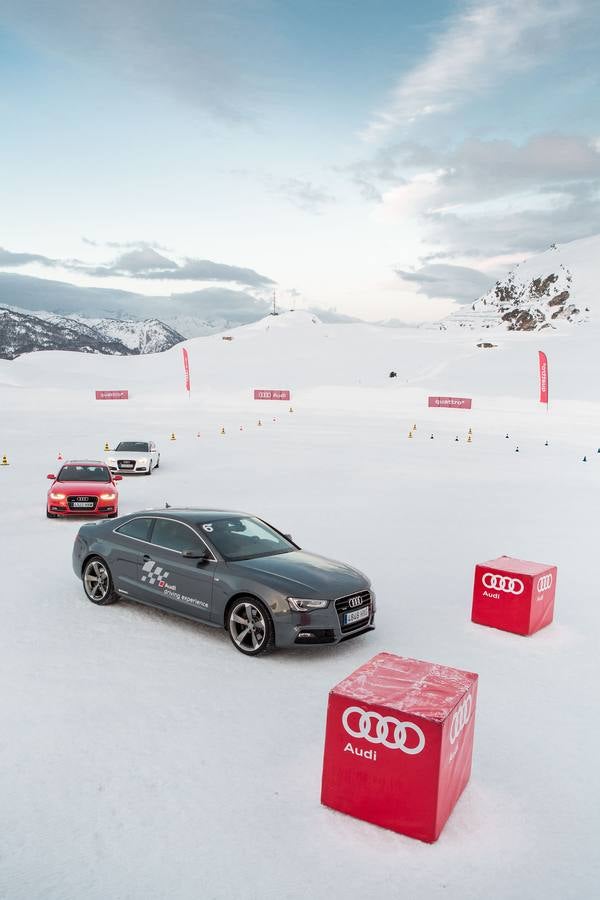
385, 730
460, 718
503, 583
544, 583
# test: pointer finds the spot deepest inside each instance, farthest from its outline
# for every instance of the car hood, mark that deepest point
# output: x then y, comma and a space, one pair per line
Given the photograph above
95, 488
303, 574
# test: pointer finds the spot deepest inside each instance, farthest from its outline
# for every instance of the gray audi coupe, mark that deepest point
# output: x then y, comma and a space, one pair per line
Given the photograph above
226, 569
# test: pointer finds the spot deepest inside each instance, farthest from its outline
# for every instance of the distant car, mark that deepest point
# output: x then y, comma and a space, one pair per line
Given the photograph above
226, 569
134, 456
83, 488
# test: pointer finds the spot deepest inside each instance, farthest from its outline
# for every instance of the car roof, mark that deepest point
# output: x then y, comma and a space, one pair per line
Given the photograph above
84, 462
190, 514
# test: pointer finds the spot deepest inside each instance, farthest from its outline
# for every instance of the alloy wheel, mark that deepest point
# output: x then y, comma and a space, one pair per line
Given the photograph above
96, 580
247, 627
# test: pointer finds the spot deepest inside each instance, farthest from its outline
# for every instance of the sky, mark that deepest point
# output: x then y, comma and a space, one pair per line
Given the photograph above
386, 160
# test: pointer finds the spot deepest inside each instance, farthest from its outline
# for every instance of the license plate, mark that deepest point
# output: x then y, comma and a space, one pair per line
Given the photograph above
126, 465
80, 505
357, 614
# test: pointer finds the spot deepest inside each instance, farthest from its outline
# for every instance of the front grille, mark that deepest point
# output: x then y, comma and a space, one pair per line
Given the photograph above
343, 606
126, 463
81, 498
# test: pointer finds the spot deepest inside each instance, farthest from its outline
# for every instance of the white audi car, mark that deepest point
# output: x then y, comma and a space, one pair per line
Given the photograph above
134, 457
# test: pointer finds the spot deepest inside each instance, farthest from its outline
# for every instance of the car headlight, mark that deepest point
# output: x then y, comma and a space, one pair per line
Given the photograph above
58, 496
108, 496
111, 460
299, 605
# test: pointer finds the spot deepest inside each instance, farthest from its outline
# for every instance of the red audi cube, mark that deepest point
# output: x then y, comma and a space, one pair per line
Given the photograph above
399, 743
514, 595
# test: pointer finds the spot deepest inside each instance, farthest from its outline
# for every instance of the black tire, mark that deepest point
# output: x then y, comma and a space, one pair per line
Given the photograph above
149, 472
50, 515
257, 638
101, 591
157, 461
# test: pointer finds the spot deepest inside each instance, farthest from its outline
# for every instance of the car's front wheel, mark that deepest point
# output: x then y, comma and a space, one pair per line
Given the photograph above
250, 626
98, 583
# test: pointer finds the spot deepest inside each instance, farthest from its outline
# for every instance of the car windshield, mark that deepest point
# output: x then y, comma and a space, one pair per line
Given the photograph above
132, 446
83, 473
243, 537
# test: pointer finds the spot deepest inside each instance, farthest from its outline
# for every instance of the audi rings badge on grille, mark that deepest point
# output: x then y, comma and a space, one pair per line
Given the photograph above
356, 601
384, 730
544, 582
460, 718
503, 583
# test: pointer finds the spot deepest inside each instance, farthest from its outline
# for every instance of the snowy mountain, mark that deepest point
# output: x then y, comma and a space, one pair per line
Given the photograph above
22, 331
147, 336
547, 291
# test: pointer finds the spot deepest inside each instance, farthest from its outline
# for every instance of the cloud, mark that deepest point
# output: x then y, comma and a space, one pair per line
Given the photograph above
125, 245
303, 194
214, 303
488, 197
205, 270
213, 55
145, 263
482, 45
8, 258
459, 283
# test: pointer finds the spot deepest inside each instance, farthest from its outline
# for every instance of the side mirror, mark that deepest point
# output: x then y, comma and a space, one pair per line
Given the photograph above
194, 554
117, 478
53, 477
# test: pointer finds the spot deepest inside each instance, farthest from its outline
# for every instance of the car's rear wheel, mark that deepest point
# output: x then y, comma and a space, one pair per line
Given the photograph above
98, 583
250, 626
157, 462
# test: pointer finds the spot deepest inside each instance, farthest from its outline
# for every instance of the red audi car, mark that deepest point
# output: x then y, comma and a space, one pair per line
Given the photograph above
83, 488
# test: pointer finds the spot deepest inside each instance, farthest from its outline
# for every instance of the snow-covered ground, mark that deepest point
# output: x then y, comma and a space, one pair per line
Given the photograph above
142, 757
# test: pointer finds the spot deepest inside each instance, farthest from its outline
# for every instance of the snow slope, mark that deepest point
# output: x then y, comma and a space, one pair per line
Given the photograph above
142, 757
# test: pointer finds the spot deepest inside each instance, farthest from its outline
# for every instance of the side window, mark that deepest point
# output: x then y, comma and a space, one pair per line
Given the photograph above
136, 528
175, 536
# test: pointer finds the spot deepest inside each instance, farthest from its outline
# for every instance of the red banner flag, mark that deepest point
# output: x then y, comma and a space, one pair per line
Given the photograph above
543, 377
186, 366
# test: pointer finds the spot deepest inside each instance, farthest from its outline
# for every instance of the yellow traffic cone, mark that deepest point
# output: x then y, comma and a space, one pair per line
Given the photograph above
410, 434
222, 430
414, 428
291, 409
173, 438
5, 461
259, 422
469, 439
470, 431
106, 447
